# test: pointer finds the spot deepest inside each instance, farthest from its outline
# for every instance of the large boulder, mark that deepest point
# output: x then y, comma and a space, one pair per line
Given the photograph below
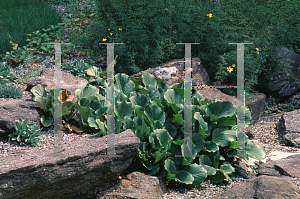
282, 87
287, 166
173, 72
289, 124
81, 167
47, 79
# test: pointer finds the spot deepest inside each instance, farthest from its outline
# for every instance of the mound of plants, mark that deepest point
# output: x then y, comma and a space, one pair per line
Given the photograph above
10, 91
155, 113
26, 134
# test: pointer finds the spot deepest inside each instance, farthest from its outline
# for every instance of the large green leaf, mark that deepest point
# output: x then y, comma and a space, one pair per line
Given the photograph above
255, 151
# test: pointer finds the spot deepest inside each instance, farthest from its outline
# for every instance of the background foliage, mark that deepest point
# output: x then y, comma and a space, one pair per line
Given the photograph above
20, 17
150, 30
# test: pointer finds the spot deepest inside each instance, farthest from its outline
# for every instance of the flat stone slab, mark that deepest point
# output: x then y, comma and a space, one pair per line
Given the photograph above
82, 166
262, 187
288, 166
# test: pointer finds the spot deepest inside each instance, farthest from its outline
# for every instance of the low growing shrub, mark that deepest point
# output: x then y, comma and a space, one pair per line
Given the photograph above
10, 91
26, 134
76, 68
6, 76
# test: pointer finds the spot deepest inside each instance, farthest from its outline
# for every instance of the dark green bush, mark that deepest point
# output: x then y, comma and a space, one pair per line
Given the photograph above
10, 91
151, 29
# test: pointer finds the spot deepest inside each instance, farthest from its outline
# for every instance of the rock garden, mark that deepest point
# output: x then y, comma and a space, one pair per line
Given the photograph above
38, 162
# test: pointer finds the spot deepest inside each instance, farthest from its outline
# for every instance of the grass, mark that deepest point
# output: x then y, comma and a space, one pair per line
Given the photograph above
19, 17
266, 24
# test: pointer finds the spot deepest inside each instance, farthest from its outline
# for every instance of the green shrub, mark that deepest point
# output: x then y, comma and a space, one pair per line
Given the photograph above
6, 76
149, 42
76, 68
10, 91
58, 2
26, 133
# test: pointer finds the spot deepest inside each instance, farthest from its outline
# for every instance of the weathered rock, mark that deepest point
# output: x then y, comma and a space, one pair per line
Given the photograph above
272, 181
79, 168
289, 123
13, 109
288, 166
263, 187
172, 72
242, 168
256, 103
47, 79
137, 185
282, 86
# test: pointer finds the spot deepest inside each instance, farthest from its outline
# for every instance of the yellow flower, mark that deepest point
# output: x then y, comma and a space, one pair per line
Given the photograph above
111, 33
257, 49
209, 15
104, 39
257, 52
233, 65
229, 69
108, 29
120, 29
15, 47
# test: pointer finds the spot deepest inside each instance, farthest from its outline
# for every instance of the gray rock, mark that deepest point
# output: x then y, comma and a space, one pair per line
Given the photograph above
79, 168
256, 103
13, 109
137, 185
282, 87
47, 79
263, 187
287, 166
289, 124
172, 72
